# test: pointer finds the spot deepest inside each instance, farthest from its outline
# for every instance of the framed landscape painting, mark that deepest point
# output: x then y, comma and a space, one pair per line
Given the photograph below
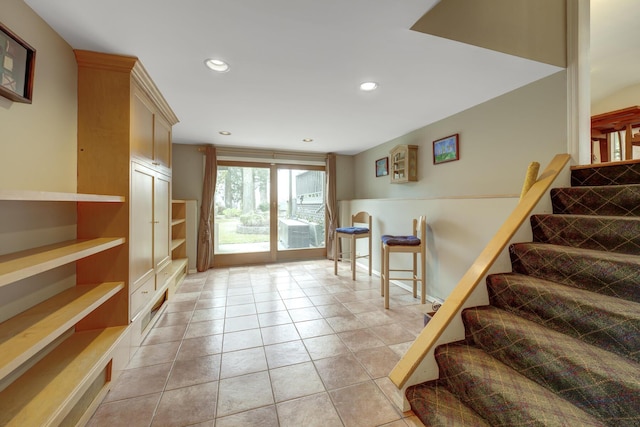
382, 166
446, 149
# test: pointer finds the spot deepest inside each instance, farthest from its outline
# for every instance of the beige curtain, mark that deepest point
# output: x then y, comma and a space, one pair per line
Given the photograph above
331, 202
205, 228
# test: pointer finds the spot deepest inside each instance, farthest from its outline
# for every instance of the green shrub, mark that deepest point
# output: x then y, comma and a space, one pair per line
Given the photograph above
232, 213
253, 220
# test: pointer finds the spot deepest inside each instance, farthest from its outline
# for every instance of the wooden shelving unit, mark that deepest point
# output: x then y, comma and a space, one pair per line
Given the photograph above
179, 259
51, 364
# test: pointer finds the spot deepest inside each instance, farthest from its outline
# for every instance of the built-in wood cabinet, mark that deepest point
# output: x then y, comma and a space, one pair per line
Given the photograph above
124, 147
150, 133
56, 355
404, 164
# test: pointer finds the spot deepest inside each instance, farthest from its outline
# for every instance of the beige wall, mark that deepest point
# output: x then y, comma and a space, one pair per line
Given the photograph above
498, 140
465, 201
38, 152
627, 97
38, 141
188, 172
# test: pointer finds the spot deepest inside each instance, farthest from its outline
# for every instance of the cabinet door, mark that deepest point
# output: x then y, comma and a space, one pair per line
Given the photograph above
162, 221
162, 144
141, 128
141, 226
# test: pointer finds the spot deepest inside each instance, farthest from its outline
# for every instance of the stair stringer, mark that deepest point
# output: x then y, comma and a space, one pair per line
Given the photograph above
428, 368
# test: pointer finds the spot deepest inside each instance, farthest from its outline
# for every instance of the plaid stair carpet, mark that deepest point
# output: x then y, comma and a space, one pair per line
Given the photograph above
560, 343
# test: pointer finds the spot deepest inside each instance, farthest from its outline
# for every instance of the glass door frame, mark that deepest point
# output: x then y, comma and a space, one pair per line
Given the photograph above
274, 254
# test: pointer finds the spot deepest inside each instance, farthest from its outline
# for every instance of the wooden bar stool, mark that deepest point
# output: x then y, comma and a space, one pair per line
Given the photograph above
414, 244
353, 233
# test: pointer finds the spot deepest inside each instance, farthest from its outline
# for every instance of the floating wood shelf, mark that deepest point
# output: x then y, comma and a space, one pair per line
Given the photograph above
23, 264
177, 242
49, 390
22, 336
47, 196
177, 221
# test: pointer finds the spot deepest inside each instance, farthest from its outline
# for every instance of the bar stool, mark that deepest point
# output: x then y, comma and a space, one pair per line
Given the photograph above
353, 233
414, 244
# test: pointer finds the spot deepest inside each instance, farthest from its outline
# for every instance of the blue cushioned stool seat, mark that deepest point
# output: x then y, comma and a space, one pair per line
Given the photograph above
413, 244
352, 230
400, 240
360, 228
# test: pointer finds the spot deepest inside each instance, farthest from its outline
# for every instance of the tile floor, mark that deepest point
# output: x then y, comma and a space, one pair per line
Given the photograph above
277, 345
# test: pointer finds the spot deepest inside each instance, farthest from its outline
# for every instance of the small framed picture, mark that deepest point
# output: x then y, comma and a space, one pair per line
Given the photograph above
382, 166
446, 149
17, 62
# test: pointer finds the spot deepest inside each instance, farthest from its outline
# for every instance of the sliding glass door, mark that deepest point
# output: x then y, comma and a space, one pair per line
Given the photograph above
267, 213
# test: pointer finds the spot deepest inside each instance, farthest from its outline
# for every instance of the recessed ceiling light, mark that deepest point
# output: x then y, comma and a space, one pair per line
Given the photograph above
368, 86
307, 140
224, 132
217, 65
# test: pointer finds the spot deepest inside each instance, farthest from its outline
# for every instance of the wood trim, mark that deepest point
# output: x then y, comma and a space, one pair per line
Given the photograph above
601, 165
429, 336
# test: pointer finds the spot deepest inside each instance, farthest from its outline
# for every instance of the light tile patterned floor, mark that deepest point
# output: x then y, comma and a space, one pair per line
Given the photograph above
278, 345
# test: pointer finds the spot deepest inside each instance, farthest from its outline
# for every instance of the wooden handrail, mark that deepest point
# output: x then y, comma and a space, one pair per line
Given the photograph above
454, 303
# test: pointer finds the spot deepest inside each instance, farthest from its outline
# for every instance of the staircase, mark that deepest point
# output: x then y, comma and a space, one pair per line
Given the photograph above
559, 344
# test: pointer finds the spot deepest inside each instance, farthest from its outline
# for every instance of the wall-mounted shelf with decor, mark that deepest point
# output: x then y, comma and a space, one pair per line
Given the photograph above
404, 164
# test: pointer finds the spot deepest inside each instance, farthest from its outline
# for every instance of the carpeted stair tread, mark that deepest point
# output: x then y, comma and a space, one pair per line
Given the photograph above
613, 200
503, 396
607, 273
607, 322
611, 174
601, 383
436, 407
606, 233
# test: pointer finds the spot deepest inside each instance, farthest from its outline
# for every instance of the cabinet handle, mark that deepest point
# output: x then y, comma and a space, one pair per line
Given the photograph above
145, 292
155, 163
155, 222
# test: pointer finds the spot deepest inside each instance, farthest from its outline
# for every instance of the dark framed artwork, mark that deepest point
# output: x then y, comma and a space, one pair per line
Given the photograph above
17, 63
446, 149
382, 166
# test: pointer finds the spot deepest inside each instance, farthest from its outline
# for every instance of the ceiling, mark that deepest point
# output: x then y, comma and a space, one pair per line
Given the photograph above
296, 66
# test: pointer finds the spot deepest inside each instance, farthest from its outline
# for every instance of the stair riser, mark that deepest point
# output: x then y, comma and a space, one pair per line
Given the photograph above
615, 276
609, 323
580, 373
611, 234
628, 173
610, 201
496, 391
437, 407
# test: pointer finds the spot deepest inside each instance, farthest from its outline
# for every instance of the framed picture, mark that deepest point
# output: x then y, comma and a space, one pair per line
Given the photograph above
446, 149
17, 62
382, 166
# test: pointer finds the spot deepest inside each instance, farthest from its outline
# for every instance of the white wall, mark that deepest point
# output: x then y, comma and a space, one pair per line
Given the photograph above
465, 201
453, 241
